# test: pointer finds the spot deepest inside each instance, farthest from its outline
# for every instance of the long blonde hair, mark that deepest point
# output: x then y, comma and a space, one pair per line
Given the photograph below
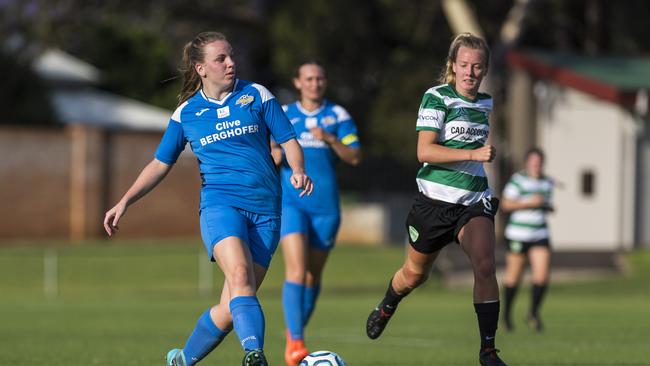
465, 40
193, 53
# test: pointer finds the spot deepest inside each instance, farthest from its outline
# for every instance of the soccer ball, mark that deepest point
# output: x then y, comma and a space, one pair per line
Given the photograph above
322, 358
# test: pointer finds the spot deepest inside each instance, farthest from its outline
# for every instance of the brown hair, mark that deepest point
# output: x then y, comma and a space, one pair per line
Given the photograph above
192, 54
462, 40
308, 62
534, 151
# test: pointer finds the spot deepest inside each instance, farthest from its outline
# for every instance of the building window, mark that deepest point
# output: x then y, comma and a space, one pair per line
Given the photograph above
588, 183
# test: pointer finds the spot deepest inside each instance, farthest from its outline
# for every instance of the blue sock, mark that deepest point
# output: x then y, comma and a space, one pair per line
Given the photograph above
248, 321
205, 337
310, 297
292, 303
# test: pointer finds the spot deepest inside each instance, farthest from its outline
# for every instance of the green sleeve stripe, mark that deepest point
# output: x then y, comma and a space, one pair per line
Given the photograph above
427, 128
430, 101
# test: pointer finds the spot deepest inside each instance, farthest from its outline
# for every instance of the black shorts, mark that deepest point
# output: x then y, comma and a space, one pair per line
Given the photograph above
432, 224
522, 247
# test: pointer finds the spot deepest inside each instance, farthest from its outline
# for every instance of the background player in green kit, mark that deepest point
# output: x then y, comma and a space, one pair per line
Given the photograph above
527, 197
454, 202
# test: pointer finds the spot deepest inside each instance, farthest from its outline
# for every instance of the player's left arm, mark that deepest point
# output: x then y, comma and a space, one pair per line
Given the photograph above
348, 153
344, 141
296, 160
283, 133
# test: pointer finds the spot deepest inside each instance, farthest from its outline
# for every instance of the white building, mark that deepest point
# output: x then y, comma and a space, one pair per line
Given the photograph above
590, 115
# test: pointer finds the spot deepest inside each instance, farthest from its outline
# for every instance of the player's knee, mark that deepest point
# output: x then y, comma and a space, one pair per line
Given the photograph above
485, 268
540, 280
295, 277
240, 277
312, 278
413, 279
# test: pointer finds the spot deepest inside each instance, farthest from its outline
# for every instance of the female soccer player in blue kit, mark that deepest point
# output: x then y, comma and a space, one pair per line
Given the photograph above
228, 123
327, 134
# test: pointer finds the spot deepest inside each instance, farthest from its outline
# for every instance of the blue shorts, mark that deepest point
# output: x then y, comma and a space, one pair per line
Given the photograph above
320, 229
260, 232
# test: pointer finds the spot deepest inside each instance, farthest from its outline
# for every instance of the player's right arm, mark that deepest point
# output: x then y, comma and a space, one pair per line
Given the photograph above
513, 199
430, 151
170, 147
149, 177
296, 160
430, 122
531, 202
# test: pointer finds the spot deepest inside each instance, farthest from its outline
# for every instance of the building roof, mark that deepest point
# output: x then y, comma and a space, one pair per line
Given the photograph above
98, 108
75, 98
617, 79
54, 65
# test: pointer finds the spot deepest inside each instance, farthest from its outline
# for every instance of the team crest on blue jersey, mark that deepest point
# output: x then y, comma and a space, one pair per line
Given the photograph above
245, 100
328, 120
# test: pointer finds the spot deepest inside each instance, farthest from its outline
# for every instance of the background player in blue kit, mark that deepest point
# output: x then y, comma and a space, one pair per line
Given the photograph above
228, 123
327, 134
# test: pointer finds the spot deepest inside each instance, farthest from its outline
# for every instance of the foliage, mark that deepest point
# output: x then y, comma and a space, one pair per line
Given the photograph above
143, 58
381, 56
23, 96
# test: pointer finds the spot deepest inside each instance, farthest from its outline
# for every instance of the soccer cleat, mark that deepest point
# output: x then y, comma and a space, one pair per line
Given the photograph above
489, 357
176, 357
254, 358
294, 351
377, 321
534, 323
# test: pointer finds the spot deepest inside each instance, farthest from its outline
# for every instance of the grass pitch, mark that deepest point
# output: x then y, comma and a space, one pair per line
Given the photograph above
128, 303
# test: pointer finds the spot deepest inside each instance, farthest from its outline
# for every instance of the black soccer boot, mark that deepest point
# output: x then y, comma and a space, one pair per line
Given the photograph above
489, 357
377, 321
254, 358
534, 323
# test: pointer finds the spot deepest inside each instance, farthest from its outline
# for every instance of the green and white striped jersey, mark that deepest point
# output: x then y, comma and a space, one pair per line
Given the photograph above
461, 123
529, 224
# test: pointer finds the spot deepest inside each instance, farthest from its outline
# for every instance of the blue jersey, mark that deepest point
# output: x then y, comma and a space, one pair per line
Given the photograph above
230, 138
320, 159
